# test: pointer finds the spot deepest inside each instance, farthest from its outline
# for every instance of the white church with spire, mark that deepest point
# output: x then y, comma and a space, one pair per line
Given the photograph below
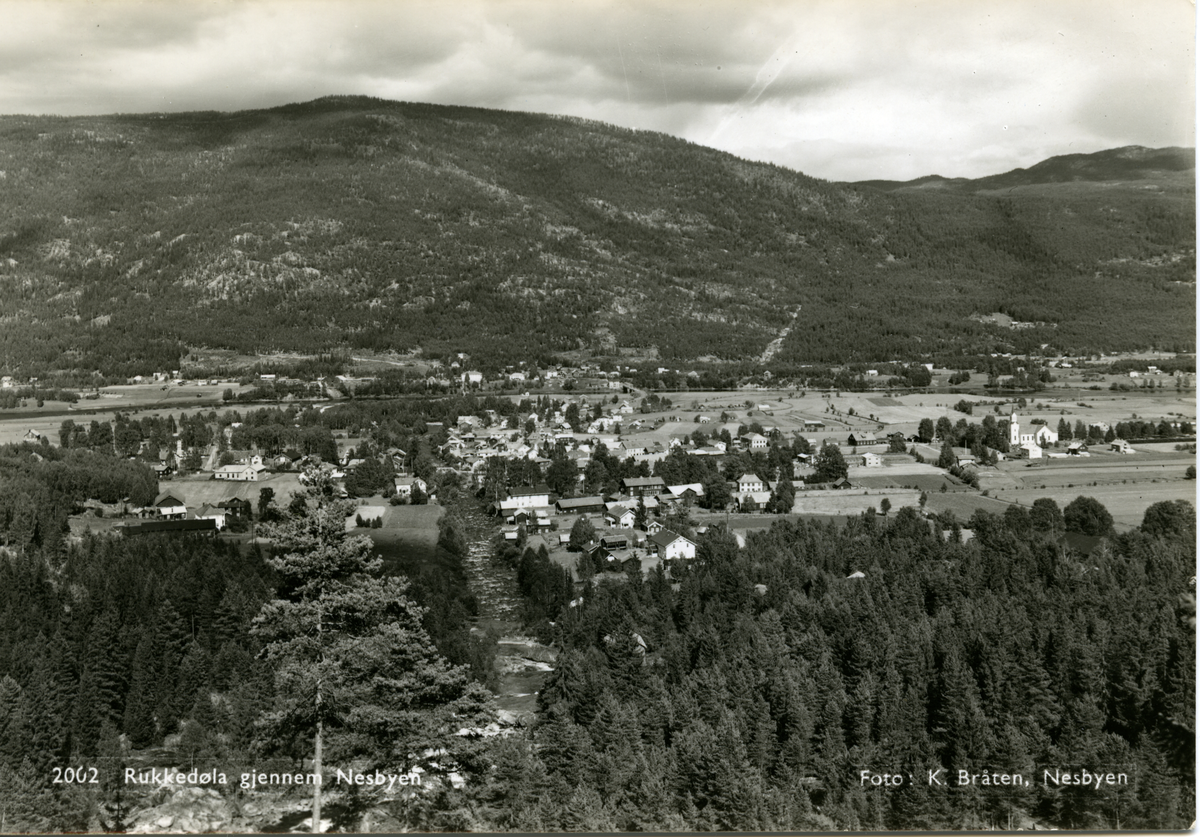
1033, 442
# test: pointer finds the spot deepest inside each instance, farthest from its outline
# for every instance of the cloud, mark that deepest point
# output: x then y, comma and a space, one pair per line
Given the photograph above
836, 88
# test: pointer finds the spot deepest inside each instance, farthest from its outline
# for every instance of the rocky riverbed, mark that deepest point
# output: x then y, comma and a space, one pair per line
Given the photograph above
522, 662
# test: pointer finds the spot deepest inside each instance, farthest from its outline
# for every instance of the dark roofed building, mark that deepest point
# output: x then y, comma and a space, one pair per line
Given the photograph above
580, 505
639, 486
149, 527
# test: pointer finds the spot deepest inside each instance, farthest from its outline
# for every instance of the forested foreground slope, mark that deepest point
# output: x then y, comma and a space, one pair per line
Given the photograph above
750, 692
352, 222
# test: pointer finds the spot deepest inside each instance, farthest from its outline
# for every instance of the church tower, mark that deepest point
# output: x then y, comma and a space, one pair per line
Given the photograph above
1014, 429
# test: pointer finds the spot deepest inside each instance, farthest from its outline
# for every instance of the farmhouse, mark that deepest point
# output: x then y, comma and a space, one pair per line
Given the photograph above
622, 517
170, 507
207, 512
872, 460
1030, 450
1120, 446
243, 472
867, 438
668, 546
755, 441
406, 485
528, 497
963, 456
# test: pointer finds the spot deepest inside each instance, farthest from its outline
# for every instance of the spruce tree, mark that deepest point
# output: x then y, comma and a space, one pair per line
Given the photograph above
140, 703
354, 668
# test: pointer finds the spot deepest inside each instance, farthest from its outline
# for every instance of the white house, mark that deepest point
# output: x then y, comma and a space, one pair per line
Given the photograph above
669, 546
170, 507
1031, 449
872, 460
755, 441
473, 377
1044, 435
242, 471
750, 483
622, 517
207, 512
1120, 446
405, 486
528, 498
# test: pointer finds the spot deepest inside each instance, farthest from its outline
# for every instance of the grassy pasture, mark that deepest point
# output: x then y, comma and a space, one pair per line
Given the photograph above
408, 537
1126, 503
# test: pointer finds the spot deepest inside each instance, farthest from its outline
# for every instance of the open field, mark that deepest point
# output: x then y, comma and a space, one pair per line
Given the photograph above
927, 483
896, 413
1126, 484
1126, 503
851, 501
409, 534
197, 490
164, 395
964, 504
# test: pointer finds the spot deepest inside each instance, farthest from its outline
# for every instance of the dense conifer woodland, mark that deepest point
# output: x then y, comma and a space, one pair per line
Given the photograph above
350, 223
761, 686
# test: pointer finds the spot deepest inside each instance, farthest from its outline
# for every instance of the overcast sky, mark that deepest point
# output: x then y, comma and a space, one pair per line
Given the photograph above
840, 89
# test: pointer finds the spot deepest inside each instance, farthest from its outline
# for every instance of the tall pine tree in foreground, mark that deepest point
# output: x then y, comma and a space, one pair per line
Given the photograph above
357, 676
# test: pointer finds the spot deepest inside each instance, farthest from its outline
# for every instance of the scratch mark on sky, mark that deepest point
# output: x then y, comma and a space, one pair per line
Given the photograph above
767, 74
624, 72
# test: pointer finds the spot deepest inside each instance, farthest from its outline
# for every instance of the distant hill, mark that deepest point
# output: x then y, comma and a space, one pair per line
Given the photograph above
358, 223
1169, 166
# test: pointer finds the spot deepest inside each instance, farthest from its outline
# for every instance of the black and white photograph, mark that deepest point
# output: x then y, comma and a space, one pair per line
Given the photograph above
516, 416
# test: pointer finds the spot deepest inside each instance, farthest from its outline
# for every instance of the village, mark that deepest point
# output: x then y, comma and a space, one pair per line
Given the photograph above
758, 450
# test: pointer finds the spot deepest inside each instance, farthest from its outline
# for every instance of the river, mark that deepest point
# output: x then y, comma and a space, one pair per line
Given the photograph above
522, 662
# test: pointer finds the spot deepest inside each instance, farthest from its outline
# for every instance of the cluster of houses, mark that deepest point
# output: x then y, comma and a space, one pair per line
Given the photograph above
623, 551
531, 508
169, 513
473, 441
457, 372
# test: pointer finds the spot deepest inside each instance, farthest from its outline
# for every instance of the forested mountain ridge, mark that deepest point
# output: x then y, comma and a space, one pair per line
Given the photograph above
368, 224
1166, 167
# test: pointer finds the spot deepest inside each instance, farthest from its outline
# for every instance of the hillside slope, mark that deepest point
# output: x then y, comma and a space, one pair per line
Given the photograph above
352, 222
1134, 163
